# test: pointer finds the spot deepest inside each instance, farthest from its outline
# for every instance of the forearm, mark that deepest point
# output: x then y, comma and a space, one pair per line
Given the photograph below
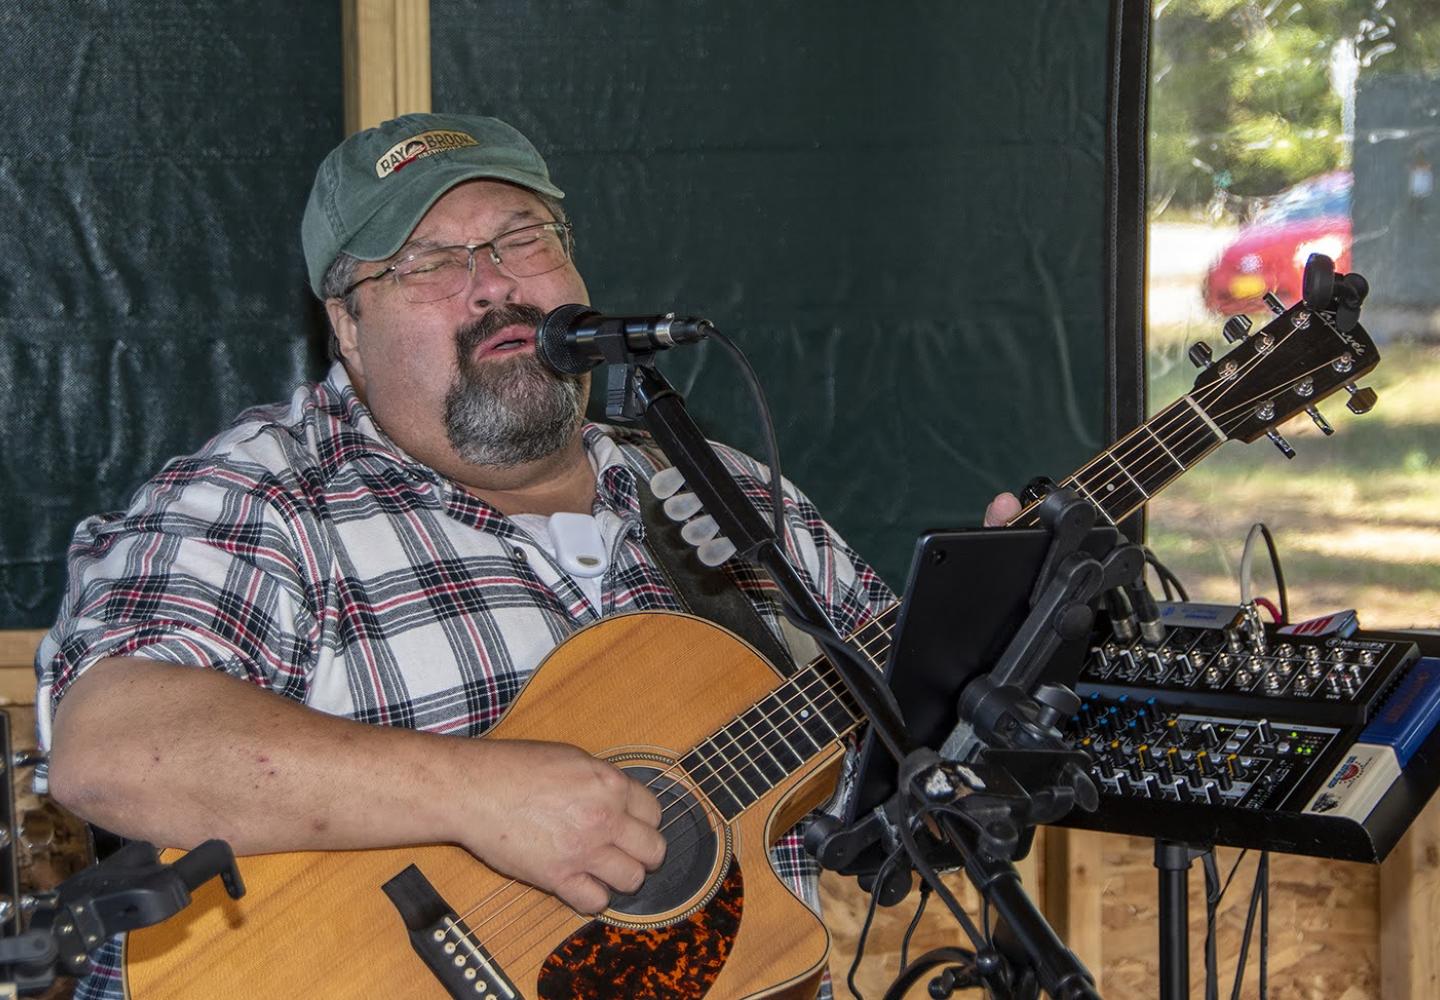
176, 755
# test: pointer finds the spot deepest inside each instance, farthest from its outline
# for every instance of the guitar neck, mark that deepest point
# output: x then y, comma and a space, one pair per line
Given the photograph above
812, 710
1122, 478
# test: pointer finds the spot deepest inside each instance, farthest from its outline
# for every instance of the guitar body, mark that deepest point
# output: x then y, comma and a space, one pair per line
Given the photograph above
639, 690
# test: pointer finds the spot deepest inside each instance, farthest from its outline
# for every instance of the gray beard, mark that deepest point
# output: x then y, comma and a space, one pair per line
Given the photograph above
508, 413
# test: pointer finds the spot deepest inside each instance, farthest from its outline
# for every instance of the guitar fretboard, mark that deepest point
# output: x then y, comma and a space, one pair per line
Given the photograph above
1122, 478
778, 735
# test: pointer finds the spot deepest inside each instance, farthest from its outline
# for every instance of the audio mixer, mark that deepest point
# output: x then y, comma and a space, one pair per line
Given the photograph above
1245, 737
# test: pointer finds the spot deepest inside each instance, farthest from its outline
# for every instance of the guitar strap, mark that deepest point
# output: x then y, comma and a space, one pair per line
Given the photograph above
705, 591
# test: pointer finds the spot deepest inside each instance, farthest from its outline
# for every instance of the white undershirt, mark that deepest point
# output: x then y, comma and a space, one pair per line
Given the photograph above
610, 525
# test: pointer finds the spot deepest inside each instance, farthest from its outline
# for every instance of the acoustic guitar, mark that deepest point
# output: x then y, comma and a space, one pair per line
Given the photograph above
735, 752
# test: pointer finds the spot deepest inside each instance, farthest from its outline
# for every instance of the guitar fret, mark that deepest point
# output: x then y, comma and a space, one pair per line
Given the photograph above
1075, 481
1117, 463
763, 733
1161, 443
736, 758
711, 784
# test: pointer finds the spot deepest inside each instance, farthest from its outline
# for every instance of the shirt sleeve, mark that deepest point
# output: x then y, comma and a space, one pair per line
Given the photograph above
202, 570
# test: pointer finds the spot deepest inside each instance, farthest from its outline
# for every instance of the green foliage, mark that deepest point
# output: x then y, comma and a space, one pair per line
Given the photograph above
1242, 102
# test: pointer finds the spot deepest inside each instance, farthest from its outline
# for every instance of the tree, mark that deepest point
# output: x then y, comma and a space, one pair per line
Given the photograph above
1245, 98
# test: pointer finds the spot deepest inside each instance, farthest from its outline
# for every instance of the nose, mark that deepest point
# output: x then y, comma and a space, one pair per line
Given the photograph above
489, 286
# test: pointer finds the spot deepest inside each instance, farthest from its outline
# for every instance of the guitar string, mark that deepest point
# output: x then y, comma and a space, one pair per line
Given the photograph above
536, 931
798, 693
745, 755
1220, 390
1205, 395
679, 847
1199, 431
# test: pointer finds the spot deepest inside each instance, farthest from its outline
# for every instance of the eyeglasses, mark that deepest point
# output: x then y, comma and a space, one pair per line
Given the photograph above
432, 275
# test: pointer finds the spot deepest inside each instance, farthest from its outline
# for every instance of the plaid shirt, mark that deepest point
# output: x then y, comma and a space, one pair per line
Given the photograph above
303, 551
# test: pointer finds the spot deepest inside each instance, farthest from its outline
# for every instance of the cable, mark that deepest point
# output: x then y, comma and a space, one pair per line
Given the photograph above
869, 919
772, 441
1247, 566
1244, 956
925, 891
1213, 892
1265, 925
1167, 578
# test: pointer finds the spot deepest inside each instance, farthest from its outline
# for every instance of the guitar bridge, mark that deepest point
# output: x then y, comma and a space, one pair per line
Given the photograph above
444, 942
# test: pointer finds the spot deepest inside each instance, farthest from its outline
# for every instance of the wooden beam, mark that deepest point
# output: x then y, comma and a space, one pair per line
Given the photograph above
1410, 911
386, 59
1074, 861
17, 666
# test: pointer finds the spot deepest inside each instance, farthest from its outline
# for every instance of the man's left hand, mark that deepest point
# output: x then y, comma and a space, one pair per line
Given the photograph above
1001, 510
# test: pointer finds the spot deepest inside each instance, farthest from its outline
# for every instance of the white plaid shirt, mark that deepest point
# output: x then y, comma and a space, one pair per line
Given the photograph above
303, 551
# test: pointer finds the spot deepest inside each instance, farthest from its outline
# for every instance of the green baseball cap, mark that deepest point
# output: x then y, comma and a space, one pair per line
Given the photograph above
372, 190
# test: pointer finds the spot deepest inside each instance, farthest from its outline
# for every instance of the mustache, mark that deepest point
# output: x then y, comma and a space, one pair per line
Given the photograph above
472, 334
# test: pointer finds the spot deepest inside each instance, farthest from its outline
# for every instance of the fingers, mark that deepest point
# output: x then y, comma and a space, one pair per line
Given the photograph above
1001, 510
643, 843
583, 893
641, 803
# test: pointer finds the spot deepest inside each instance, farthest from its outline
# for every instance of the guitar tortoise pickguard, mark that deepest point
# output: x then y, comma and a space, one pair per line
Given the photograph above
680, 961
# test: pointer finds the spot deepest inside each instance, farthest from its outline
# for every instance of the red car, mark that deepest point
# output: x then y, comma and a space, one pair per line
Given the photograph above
1269, 253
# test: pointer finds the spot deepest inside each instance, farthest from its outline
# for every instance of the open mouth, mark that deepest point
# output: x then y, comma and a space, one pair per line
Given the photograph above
508, 341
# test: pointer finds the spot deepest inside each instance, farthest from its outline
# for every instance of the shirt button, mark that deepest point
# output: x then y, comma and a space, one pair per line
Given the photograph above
518, 553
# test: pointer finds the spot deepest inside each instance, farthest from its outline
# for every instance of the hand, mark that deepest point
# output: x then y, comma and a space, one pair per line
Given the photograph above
554, 816
1004, 507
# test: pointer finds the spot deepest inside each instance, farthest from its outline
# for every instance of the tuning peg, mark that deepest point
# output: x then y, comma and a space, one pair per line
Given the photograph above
1280, 443
1320, 421
1235, 328
1200, 354
1276, 306
1361, 400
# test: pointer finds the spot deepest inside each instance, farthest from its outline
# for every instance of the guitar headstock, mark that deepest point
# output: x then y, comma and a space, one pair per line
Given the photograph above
1272, 374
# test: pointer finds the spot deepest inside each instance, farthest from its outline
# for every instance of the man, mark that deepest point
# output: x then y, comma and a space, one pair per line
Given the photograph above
380, 553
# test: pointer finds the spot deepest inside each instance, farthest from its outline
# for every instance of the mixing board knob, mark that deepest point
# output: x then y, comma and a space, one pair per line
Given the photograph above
1136, 772
1227, 660
1104, 768
1274, 682
1188, 668
1284, 667
1204, 766
1244, 678
1162, 768
1302, 684
1211, 793
1285, 650
1213, 676
1264, 733
1151, 786
1173, 734
1115, 751
1234, 767
1312, 653
1314, 669
1367, 657
1338, 655
1144, 756
1209, 735
1224, 780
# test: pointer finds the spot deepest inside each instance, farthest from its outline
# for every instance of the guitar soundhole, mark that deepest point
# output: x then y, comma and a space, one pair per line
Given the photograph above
693, 850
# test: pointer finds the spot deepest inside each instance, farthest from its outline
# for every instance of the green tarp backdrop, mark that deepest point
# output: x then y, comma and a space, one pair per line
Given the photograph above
898, 209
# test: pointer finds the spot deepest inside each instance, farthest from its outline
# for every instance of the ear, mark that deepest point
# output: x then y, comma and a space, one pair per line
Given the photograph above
347, 334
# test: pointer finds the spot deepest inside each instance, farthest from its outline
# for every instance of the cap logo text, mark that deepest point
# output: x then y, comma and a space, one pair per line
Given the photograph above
407, 151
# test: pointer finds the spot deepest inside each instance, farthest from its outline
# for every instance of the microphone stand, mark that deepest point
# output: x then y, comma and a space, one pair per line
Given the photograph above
639, 390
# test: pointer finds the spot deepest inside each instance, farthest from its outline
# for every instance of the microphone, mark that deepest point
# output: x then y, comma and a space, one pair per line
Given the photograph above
573, 339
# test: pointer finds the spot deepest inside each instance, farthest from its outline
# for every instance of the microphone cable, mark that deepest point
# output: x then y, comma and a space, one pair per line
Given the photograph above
772, 441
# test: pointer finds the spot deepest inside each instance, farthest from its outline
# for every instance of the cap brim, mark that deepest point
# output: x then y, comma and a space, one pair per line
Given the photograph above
387, 230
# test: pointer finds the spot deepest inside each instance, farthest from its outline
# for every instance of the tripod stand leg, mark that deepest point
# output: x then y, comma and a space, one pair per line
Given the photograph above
1172, 862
